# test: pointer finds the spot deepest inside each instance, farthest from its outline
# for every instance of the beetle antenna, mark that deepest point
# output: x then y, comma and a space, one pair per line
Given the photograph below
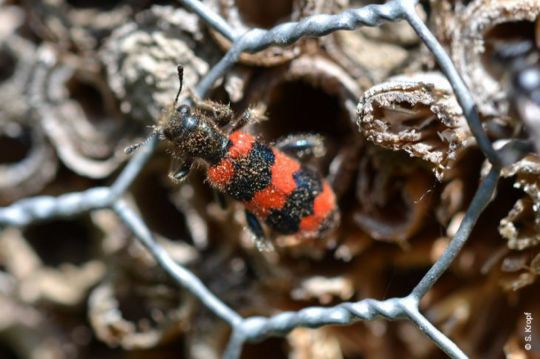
132, 148
157, 130
180, 70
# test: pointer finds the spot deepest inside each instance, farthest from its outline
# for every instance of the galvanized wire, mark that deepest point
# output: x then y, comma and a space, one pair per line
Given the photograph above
28, 211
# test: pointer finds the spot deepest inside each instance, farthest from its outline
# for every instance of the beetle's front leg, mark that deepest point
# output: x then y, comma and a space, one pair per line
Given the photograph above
263, 244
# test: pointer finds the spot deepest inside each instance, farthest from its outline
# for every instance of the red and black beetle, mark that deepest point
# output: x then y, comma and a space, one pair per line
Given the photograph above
274, 186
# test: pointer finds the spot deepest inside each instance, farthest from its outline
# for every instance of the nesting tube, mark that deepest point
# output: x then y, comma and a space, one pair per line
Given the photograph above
417, 114
28, 161
394, 195
36, 257
78, 114
138, 316
477, 30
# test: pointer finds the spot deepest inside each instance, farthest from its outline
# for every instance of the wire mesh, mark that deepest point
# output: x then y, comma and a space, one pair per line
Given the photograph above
250, 329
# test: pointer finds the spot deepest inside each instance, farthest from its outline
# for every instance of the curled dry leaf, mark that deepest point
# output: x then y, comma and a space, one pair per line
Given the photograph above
417, 114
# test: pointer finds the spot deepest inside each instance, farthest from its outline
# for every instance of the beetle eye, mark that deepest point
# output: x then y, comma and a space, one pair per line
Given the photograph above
183, 110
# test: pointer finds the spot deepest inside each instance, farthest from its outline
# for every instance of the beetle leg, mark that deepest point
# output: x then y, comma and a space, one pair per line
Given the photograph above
262, 243
250, 116
220, 113
302, 146
180, 167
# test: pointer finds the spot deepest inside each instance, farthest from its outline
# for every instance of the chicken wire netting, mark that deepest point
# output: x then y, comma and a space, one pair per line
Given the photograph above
98, 258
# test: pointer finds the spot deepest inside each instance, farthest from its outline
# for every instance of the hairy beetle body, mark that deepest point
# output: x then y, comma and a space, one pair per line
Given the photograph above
274, 187
288, 197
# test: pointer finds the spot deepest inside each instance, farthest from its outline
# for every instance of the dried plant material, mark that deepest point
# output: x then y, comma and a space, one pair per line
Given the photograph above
24, 170
521, 227
141, 59
137, 308
522, 280
442, 18
363, 58
206, 337
186, 200
514, 348
138, 317
480, 25
418, 115
371, 54
79, 24
455, 310
17, 56
28, 162
28, 331
235, 82
11, 18
514, 264
351, 246
324, 289
308, 343
393, 194
78, 115
310, 94
63, 284
525, 84
537, 32
451, 201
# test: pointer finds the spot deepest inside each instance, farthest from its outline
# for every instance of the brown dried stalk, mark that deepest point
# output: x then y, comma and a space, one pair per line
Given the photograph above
416, 114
